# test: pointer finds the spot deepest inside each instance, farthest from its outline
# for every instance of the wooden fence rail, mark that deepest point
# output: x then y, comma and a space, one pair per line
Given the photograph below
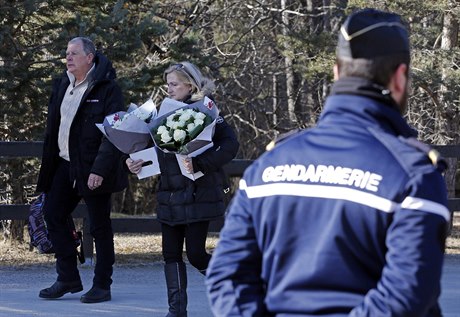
125, 224
141, 224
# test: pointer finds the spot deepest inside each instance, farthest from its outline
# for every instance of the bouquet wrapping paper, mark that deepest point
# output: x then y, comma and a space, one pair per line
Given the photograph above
129, 131
134, 130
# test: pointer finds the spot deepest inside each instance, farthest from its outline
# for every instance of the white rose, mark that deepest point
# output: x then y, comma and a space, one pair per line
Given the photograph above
175, 125
185, 116
165, 137
179, 135
182, 123
162, 129
200, 115
190, 127
198, 122
169, 122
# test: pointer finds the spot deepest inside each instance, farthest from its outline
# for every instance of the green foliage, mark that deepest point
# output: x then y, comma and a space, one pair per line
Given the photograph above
33, 40
262, 56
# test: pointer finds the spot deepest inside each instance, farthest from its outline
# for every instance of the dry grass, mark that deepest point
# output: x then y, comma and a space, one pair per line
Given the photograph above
453, 241
144, 249
130, 249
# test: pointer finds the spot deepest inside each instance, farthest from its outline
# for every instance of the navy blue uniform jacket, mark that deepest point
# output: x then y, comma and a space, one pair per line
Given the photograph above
342, 219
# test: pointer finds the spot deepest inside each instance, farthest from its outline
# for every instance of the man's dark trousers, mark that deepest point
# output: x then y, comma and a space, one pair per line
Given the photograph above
61, 201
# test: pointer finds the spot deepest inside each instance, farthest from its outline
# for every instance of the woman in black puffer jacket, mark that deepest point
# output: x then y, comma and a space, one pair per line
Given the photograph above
185, 207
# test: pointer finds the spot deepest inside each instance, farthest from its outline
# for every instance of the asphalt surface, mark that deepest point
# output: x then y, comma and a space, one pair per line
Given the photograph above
136, 292
140, 291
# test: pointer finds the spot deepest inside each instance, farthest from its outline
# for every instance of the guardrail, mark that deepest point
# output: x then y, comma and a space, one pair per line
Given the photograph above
142, 224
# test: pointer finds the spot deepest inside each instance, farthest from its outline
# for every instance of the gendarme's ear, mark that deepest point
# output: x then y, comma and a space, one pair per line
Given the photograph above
398, 83
401, 77
336, 72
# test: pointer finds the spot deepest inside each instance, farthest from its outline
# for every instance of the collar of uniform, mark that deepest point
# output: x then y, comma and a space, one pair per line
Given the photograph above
367, 108
363, 87
88, 76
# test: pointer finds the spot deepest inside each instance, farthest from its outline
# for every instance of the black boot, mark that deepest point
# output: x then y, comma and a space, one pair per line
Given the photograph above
59, 289
176, 282
96, 295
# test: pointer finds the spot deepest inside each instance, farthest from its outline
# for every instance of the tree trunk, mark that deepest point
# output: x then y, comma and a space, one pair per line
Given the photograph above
288, 65
450, 117
450, 123
274, 100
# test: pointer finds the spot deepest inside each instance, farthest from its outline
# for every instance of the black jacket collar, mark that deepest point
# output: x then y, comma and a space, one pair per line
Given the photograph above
363, 87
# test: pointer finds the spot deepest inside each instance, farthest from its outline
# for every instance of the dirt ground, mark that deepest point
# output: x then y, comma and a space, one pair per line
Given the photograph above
143, 249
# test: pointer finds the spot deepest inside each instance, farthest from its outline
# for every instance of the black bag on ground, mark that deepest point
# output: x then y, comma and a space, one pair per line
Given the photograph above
38, 231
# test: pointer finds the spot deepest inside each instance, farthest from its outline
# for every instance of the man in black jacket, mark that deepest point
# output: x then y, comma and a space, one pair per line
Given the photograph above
78, 162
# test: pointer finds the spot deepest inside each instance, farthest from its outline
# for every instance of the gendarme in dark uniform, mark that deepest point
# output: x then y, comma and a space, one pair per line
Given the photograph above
345, 219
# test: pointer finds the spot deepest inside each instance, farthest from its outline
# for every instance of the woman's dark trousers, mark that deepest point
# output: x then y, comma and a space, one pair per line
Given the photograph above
173, 237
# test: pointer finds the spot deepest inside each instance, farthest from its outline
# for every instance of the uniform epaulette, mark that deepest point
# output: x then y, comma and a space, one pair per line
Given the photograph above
434, 156
281, 137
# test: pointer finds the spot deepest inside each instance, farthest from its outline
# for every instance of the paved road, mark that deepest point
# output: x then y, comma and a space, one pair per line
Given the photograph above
140, 291
136, 292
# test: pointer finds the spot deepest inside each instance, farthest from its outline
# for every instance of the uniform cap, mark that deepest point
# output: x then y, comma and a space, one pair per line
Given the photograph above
370, 33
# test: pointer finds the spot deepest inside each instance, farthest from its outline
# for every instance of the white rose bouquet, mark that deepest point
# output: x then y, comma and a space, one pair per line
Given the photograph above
179, 128
185, 129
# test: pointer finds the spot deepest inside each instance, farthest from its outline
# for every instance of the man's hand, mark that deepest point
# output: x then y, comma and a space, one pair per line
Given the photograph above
94, 181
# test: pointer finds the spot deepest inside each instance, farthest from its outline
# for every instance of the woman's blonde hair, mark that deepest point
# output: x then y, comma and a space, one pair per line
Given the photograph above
190, 74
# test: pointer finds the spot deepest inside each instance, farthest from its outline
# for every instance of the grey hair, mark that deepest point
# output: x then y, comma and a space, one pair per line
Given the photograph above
190, 74
88, 45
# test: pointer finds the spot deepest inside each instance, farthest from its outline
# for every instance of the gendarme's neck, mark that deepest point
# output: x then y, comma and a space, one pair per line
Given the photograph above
363, 87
